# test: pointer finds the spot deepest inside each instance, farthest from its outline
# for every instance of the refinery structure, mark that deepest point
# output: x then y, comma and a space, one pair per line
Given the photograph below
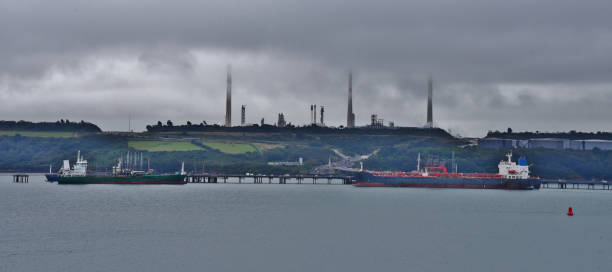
375, 121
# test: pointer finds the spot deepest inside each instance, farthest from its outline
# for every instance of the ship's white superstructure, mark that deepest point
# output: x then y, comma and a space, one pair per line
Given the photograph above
78, 169
510, 170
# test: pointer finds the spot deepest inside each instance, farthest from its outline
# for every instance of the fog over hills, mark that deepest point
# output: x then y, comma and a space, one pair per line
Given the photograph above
530, 65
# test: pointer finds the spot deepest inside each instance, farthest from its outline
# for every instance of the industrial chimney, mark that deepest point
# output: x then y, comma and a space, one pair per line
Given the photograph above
429, 123
311, 115
243, 115
228, 101
350, 116
322, 111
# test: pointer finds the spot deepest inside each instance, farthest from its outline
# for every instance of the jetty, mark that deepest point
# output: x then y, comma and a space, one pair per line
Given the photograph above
21, 178
575, 184
271, 178
337, 179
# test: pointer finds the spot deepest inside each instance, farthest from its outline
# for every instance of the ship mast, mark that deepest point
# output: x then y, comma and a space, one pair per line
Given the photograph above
419, 162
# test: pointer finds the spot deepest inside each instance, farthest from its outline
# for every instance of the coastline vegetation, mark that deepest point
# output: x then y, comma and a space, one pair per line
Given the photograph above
242, 151
571, 135
61, 125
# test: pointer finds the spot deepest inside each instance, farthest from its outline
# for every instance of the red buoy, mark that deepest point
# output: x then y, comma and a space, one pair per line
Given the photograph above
570, 212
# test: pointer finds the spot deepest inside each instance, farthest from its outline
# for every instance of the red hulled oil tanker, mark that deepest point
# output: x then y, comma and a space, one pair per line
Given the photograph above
510, 176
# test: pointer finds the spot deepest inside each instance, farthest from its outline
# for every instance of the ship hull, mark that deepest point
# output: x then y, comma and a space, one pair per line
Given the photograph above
146, 179
52, 177
365, 179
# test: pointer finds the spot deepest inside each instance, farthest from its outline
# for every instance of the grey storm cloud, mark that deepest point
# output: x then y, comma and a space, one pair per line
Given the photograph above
532, 65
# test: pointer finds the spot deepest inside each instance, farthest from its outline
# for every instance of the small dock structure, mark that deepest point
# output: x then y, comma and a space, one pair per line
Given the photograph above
21, 178
576, 184
271, 179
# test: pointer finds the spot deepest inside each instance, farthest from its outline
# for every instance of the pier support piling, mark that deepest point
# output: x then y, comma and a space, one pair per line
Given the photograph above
21, 178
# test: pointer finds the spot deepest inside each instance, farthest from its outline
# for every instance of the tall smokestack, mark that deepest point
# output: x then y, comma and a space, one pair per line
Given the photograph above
314, 119
350, 116
228, 101
322, 111
243, 115
429, 103
311, 107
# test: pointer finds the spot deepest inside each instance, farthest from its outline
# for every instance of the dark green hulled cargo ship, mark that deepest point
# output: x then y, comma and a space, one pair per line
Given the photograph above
127, 179
78, 175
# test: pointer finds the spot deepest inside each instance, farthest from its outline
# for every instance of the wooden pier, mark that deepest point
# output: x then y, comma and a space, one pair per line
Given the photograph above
20, 178
576, 184
270, 179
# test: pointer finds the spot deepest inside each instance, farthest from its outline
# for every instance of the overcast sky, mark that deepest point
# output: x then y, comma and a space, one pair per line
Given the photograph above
527, 64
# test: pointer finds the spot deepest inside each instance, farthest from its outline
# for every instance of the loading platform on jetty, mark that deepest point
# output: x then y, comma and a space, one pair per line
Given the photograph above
21, 178
270, 178
575, 184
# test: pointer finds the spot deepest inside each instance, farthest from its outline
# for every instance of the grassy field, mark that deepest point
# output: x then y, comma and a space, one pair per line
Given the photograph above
231, 148
267, 146
44, 134
160, 146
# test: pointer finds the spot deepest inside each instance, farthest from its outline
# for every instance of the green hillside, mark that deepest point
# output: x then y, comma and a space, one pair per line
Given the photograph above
43, 134
160, 146
231, 148
251, 151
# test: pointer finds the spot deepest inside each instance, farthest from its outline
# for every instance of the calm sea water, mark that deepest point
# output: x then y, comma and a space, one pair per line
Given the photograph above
262, 227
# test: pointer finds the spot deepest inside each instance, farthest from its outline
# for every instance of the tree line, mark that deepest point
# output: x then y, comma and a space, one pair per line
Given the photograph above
289, 128
61, 125
572, 135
